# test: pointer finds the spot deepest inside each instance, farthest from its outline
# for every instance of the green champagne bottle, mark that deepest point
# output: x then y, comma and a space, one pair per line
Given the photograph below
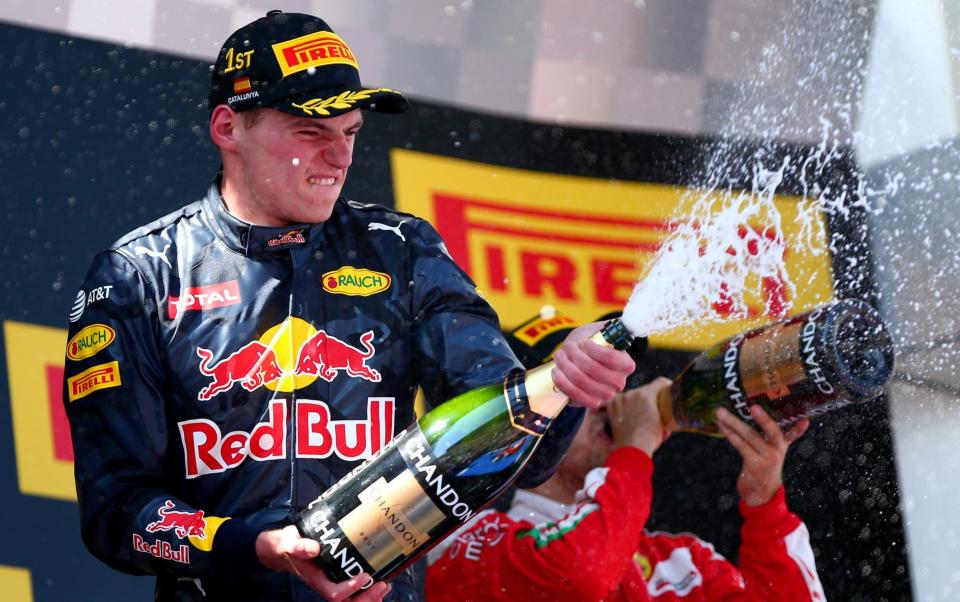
437, 474
835, 355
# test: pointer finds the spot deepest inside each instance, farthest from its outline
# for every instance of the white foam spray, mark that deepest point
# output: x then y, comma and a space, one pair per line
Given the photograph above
714, 258
728, 246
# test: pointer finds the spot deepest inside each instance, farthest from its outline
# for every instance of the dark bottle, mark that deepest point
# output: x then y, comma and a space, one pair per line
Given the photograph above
811, 363
437, 474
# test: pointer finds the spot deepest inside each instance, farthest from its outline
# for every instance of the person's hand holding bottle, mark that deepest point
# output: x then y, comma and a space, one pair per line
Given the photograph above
634, 418
763, 453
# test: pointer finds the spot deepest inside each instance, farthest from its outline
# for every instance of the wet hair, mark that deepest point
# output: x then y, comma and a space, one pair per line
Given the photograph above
251, 118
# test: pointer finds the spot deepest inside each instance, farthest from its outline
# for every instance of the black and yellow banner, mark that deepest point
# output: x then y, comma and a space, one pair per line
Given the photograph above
531, 238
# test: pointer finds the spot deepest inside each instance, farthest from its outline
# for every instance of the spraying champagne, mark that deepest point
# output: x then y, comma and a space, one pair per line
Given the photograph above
437, 474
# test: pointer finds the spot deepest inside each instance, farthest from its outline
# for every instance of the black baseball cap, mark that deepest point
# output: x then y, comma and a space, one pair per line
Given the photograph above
294, 63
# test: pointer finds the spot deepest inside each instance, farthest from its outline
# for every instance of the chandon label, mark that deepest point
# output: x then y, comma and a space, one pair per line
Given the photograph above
338, 555
417, 451
731, 378
384, 511
770, 362
809, 352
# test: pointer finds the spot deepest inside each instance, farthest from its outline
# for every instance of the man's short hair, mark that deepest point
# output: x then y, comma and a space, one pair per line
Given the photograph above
251, 118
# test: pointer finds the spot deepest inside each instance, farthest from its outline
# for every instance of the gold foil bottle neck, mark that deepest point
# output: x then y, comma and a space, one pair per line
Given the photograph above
543, 395
770, 361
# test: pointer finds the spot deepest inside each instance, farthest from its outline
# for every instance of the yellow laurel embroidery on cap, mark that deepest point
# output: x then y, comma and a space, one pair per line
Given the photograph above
344, 100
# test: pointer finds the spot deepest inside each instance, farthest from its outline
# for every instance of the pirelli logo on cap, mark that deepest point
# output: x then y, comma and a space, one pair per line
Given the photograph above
313, 50
101, 376
534, 332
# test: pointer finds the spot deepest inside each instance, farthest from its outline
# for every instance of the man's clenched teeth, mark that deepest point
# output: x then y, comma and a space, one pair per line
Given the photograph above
321, 181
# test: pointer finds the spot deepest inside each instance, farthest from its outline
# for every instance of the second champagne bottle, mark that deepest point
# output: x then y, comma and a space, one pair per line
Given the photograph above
830, 357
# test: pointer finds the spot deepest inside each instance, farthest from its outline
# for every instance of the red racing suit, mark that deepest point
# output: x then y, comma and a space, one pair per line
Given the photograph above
598, 549
221, 376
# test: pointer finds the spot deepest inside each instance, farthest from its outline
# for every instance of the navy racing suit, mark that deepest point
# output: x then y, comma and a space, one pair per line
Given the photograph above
220, 376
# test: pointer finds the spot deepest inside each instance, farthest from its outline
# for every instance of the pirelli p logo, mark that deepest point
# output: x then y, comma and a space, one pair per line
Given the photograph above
313, 50
567, 255
101, 376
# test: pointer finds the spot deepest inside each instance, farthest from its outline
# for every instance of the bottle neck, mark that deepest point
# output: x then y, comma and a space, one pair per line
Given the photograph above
614, 334
544, 396
665, 407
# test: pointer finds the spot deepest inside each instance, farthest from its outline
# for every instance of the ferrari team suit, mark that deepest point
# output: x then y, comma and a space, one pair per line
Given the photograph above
220, 376
598, 549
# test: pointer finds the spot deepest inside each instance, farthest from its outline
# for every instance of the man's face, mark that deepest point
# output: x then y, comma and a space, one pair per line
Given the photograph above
590, 448
292, 169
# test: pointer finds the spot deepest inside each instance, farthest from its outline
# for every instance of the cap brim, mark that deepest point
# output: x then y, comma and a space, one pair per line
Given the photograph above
337, 102
535, 341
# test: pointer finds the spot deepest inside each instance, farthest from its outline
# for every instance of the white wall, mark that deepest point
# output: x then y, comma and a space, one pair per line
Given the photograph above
908, 131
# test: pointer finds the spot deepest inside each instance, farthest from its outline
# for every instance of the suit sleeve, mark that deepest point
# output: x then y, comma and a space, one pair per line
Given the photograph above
775, 555
114, 394
460, 346
458, 341
500, 559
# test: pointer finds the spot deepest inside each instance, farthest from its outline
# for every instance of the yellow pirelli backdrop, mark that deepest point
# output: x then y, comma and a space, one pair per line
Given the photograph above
531, 238
527, 238
15, 584
40, 430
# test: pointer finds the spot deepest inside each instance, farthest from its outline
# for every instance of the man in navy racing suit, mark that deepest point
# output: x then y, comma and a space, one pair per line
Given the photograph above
230, 361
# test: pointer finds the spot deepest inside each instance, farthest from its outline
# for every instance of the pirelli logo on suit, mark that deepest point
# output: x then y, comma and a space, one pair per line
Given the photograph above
95, 378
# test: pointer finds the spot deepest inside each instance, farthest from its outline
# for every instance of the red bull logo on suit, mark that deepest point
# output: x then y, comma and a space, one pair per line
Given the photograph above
289, 356
325, 355
252, 365
183, 524
207, 450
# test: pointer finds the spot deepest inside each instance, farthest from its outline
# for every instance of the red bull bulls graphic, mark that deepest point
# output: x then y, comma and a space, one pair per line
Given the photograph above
183, 524
207, 450
252, 366
324, 355
288, 356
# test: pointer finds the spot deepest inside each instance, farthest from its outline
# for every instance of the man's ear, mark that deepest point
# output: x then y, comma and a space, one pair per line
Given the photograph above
224, 123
